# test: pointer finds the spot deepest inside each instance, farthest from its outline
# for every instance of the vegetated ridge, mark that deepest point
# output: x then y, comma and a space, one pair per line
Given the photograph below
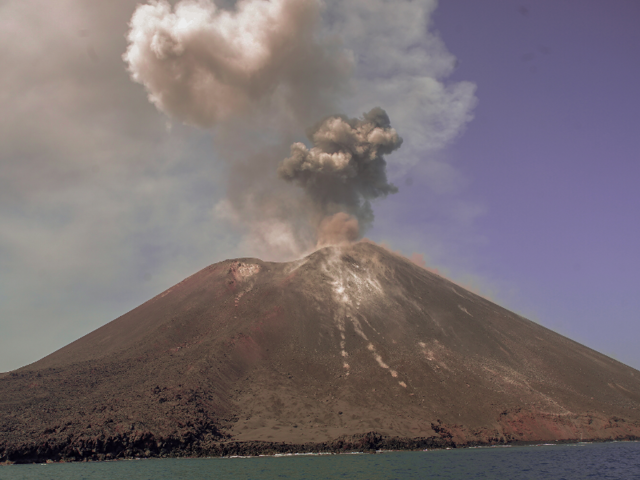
350, 348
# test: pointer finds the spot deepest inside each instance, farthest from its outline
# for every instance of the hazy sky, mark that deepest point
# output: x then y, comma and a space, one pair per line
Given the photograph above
517, 177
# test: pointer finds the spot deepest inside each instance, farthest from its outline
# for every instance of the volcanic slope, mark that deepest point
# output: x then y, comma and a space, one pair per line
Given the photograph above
245, 355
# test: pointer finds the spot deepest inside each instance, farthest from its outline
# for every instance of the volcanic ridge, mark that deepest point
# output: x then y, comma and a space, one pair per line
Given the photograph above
350, 348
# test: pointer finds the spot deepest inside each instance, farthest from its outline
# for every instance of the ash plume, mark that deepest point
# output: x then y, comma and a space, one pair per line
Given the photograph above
344, 169
257, 72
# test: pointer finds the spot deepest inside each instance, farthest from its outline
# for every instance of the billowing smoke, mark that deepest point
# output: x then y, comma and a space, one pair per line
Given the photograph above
203, 64
344, 169
259, 72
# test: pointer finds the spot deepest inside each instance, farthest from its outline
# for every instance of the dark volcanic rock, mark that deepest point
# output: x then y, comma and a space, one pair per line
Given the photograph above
248, 357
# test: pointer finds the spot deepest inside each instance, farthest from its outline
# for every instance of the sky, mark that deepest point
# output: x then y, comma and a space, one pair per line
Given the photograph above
516, 175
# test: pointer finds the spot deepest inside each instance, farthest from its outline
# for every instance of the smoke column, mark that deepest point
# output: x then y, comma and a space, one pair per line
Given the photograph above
261, 71
343, 171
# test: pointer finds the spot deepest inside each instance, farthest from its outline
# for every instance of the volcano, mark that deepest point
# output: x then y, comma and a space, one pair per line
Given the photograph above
352, 347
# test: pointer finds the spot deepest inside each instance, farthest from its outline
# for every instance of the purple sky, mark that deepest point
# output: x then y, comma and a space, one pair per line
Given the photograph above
552, 156
105, 201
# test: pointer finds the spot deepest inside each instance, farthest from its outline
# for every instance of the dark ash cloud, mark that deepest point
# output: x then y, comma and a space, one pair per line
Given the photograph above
345, 168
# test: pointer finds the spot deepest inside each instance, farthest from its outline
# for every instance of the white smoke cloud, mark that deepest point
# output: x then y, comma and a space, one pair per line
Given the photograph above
203, 64
402, 64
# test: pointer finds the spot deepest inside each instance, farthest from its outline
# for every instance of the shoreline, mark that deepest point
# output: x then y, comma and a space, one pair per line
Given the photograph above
370, 443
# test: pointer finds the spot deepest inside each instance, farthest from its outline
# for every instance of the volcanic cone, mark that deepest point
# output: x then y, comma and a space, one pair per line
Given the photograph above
352, 347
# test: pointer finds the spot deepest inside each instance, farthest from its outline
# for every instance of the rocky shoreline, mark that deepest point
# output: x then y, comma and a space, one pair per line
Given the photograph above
122, 447
146, 446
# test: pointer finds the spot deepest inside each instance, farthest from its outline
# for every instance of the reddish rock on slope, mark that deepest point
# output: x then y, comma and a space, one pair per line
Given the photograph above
247, 356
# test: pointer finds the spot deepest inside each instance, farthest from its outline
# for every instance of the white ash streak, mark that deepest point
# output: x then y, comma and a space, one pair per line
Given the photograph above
351, 287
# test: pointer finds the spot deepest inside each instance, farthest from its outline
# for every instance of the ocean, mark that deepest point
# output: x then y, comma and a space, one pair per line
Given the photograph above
616, 460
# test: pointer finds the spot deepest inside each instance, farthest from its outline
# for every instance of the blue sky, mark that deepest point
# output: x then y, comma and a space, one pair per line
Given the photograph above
106, 200
551, 161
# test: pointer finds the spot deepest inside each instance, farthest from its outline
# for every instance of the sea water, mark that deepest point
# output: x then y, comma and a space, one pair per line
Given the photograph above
617, 460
